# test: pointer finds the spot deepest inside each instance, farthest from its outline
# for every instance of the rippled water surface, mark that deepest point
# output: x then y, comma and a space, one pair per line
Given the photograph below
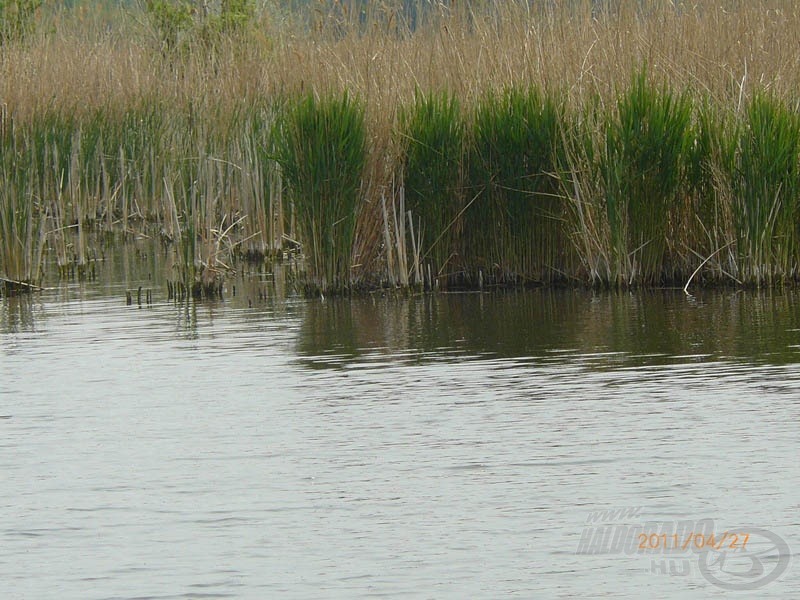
449, 446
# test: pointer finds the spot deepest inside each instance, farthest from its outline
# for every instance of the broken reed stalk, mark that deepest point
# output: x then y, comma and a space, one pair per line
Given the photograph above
400, 236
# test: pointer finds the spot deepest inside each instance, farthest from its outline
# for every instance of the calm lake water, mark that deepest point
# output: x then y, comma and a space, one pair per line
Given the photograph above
447, 446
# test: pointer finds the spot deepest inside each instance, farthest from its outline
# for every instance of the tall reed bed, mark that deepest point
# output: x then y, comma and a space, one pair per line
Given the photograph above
521, 189
22, 215
707, 234
36, 204
502, 142
204, 185
218, 197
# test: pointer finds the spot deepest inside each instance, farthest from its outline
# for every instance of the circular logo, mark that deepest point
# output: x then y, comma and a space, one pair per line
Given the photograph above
756, 558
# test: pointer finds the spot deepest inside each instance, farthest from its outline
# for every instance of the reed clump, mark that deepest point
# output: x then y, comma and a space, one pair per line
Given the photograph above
643, 168
515, 221
455, 144
322, 152
766, 191
432, 129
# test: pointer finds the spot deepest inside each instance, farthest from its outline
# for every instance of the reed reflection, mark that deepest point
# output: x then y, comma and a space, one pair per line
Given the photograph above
628, 329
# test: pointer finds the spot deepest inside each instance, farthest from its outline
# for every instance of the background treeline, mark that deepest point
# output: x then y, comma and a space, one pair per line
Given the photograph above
608, 143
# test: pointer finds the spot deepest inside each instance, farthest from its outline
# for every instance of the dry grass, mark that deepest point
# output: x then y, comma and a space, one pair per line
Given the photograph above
725, 49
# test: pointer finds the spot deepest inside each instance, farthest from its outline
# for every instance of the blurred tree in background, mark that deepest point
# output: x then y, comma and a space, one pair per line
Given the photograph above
177, 21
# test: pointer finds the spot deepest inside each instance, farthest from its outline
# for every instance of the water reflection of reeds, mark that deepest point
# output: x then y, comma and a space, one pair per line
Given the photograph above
641, 328
20, 313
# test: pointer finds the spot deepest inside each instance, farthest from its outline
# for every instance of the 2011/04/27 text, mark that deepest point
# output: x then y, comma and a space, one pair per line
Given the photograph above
699, 541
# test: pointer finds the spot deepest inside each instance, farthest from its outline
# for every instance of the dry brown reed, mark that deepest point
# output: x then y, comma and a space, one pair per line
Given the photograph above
725, 49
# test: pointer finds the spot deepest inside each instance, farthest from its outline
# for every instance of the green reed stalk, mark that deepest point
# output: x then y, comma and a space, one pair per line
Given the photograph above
23, 215
45, 153
322, 152
432, 130
133, 149
516, 220
766, 184
643, 166
580, 179
709, 221
251, 155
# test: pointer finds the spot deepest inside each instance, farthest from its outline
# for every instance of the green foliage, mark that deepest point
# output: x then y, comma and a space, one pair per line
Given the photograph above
581, 179
179, 23
170, 19
641, 194
17, 19
516, 218
766, 184
432, 130
711, 160
643, 167
234, 15
322, 151
31, 159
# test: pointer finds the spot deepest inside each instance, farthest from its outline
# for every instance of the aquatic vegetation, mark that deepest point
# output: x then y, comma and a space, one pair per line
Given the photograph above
35, 200
409, 145
322, 151
706, 233
22, 230
766, 191
17, 19
432, 130
643, 166
581, 177
514, 225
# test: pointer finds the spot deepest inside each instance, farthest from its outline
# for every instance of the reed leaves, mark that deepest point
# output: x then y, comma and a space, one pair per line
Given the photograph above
322, 152
643, 167
766, 186
521, 188
432, 133
515, 221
